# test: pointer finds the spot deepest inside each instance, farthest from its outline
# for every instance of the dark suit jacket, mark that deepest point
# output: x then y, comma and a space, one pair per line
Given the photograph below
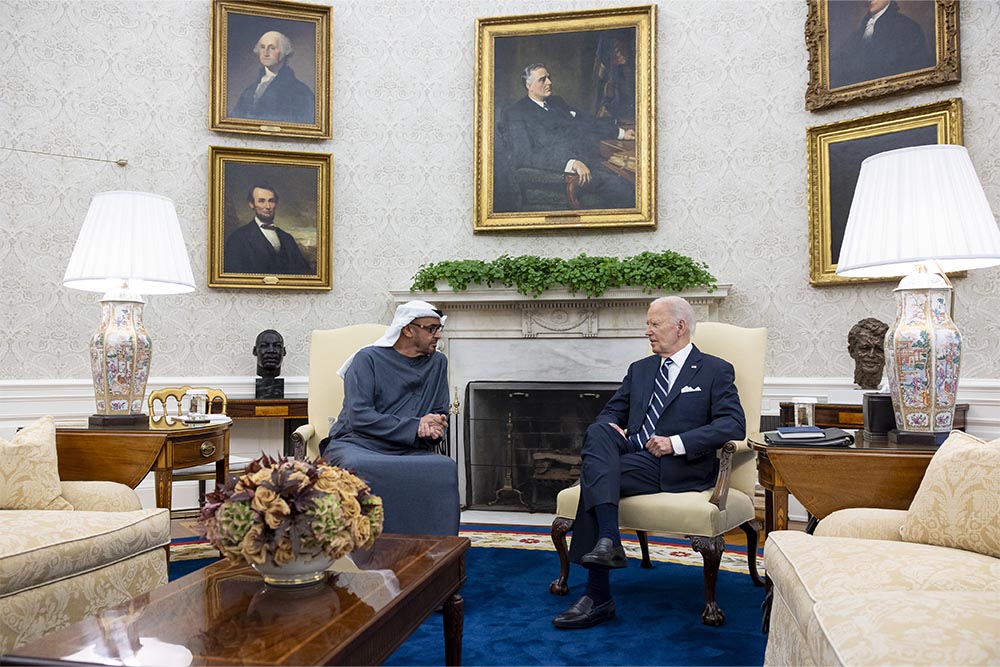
549, 139
249, 251
706, 415
285, 99
897, 45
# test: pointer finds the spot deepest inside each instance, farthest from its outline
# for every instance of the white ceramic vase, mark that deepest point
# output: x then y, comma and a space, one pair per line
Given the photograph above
303, 571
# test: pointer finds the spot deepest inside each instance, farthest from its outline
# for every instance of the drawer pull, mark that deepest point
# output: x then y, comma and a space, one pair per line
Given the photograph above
207, 448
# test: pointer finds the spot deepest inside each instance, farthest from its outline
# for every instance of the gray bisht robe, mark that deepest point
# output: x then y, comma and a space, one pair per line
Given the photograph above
375, 436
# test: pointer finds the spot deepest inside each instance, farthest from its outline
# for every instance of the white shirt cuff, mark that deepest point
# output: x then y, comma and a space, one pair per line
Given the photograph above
678, 445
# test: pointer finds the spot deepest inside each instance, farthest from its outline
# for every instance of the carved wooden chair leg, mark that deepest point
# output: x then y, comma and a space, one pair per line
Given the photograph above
644, 545
560, 527
710, 549
752, 531
572, 182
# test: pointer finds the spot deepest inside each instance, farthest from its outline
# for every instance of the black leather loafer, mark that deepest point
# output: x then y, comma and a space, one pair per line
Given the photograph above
605, 554
585, 614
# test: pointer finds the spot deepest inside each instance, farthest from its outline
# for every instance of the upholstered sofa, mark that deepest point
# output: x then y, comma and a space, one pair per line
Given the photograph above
68, 549
60, 566
881, 587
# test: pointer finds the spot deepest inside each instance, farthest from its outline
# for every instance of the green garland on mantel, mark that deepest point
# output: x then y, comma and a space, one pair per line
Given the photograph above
667, 271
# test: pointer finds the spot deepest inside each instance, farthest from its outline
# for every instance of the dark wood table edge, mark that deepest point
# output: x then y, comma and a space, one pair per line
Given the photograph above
446, 597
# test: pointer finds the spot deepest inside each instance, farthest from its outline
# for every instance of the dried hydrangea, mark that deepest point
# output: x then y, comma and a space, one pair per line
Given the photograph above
284, 507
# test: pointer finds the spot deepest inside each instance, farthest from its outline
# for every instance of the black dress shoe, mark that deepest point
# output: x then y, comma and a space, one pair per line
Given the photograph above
605, 554
585, 614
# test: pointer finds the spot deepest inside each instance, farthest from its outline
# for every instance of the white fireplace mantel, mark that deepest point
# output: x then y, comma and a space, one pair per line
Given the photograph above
484, 312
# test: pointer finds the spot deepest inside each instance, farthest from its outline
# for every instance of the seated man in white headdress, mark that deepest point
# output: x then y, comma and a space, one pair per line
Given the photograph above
395, 414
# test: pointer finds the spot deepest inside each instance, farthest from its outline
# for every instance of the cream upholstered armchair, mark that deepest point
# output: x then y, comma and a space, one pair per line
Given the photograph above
701, 516
328, 350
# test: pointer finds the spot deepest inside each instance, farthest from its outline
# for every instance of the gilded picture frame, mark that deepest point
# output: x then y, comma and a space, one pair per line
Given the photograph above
271, 68
835, 153
269, 219
601, 71
911, 45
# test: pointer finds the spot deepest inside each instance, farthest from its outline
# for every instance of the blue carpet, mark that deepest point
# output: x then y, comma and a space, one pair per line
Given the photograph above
508, 613
179, 568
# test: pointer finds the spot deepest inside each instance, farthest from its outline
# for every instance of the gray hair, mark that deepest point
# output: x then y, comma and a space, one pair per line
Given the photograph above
679, 309
284, 44
526, 74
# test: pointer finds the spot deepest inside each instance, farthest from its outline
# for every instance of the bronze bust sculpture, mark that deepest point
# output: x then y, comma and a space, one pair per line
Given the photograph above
269, 348
866, 345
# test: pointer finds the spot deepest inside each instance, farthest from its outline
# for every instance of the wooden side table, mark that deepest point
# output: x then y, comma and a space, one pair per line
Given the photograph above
826, 479
128, 455
292, 411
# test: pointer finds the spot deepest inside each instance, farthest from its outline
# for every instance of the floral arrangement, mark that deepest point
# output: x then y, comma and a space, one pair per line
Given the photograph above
286, 508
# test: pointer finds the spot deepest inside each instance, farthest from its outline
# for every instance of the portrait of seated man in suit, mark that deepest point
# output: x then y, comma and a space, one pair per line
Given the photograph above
261, 246
543, 131
885, 42
276, 94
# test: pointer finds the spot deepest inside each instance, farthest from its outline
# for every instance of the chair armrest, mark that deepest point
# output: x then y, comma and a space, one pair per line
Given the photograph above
100, 496
300, 440
721, 491
864, 522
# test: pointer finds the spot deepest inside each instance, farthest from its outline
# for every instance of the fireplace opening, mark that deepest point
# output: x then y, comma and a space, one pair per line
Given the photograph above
522, 440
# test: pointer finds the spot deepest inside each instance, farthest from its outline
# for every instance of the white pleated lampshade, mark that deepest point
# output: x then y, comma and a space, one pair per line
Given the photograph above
133, 236
917, 204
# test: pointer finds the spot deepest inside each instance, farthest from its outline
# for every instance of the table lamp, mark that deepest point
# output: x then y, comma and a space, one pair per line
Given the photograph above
920, 212
130, 243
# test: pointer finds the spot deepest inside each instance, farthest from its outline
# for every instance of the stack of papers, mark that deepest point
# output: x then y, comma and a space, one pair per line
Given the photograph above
801, 432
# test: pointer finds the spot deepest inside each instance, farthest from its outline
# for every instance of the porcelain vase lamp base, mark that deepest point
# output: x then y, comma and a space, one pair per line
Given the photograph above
923, 352
120, 352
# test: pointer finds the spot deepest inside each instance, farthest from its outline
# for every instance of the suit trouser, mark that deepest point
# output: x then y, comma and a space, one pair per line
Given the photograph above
612, 469
608, 189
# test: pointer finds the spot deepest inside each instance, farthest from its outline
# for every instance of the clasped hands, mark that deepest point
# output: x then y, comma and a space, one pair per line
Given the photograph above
658, 445
432, 426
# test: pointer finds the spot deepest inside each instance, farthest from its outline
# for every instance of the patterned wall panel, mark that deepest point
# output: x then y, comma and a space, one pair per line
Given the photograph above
129, 78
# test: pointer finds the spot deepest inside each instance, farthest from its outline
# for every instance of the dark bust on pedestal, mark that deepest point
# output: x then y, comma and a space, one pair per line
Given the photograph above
269, 348
866, 345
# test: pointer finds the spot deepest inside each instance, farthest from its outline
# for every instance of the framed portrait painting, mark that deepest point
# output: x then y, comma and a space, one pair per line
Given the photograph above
836, 152
865, 49
565, 120
271, 71
269, 218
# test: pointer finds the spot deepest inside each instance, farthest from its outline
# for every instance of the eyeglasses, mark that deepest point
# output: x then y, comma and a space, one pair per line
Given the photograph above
429, 328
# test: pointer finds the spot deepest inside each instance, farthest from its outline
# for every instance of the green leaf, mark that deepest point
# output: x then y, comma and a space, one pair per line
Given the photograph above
531, 275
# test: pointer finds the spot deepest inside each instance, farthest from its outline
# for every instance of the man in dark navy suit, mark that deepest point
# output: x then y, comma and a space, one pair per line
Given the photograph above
659, 432
885, 43
260, 246
547, 133
276, 94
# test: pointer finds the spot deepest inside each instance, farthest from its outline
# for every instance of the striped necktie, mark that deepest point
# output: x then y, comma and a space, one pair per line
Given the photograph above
661, 387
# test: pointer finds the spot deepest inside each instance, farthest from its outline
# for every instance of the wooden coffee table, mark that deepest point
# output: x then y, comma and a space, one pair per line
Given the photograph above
225, 615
